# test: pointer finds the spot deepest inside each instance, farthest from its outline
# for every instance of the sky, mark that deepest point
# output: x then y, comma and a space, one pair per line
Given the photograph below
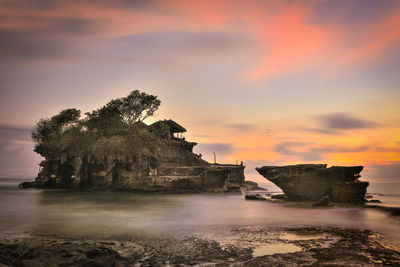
263, 82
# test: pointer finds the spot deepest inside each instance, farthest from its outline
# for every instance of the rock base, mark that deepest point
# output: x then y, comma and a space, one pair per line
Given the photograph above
330, 247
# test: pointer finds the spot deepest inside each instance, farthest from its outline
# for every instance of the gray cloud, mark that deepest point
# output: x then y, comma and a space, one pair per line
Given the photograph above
387, 149
221, 150
59, 4
16, 152
50, 41
311, 152
237, 126
384, 172
241, 126
17, 159
9, 132
26, 45
133, 4
338, 123
251, 165
203, 136
322, 131
157, 44
344, 121
287, 148
31, 4
218, 148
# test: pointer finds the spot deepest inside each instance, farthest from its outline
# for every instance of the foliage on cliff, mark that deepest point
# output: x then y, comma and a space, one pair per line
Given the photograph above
117, 128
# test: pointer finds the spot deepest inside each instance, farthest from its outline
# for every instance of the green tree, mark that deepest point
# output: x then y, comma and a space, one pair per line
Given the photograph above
67, 133
106, 120
66, 116
123, 113
47, 132
138, 106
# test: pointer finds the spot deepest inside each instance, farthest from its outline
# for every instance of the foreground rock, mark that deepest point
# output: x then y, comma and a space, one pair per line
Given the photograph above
349, 247
254, 197
151, 252
310, 182
330, 247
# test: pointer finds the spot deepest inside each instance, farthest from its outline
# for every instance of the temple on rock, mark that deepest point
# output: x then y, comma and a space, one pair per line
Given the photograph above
176, 130
112, 148
166, 163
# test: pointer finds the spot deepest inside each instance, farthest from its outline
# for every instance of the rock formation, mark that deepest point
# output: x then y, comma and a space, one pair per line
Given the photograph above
111, 148
311, 182
170, 166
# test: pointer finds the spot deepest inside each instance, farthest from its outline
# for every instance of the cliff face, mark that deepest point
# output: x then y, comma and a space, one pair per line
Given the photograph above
310, 182
169, 166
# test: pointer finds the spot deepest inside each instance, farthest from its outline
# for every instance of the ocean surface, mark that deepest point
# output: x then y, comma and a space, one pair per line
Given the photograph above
124, 216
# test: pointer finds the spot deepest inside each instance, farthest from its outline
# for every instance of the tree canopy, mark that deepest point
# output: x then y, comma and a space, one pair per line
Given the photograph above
135, 107
66, 131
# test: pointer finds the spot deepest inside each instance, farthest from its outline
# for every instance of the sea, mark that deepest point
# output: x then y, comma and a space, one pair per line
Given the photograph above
124, 216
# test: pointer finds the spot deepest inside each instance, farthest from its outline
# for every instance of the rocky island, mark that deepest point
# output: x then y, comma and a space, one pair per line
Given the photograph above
312, 182
112, 148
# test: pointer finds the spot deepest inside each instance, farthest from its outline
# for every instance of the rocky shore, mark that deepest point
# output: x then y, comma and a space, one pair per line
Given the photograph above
245, 246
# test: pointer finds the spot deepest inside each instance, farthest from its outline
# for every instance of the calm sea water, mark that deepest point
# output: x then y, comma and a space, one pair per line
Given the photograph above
112, 215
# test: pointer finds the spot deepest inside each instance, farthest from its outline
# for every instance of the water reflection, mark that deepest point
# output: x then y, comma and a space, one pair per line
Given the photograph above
293, 237
271, 249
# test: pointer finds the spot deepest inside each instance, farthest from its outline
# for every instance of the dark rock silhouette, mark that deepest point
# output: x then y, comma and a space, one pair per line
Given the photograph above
310, 182
254, 197
25, 185
279, 196
374, 201
112, 148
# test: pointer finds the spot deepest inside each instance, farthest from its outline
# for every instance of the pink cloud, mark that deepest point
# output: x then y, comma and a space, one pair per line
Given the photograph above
290, 42
372, 42
286, 39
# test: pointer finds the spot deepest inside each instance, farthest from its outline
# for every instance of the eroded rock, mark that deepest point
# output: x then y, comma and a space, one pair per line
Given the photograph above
310, 182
